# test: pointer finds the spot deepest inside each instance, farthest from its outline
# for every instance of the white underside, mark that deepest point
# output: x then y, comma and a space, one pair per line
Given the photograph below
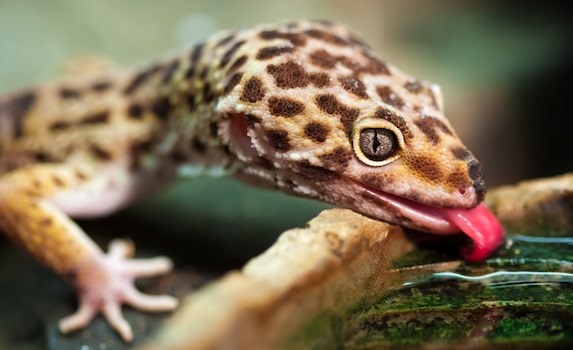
110, 189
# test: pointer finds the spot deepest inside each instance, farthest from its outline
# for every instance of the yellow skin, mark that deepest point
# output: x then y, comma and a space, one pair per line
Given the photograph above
302, 107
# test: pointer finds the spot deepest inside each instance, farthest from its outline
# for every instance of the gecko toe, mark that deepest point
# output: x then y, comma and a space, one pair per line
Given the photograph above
78, 320
112, 313
146, 302
138, 268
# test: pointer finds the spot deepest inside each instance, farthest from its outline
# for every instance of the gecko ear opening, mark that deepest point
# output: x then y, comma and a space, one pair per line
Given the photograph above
239, 139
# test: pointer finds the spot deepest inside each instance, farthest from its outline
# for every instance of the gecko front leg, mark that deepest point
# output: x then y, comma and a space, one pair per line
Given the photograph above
33, 206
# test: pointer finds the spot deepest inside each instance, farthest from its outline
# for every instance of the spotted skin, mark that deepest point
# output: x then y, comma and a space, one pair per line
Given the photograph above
281, 106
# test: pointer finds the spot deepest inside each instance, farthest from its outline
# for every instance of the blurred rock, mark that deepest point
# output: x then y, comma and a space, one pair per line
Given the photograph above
340, 258
534, 206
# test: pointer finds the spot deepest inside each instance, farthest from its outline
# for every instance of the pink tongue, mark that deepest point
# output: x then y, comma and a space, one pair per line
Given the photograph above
481, 226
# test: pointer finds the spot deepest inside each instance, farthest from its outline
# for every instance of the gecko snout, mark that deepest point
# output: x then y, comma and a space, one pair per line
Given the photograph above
476, 174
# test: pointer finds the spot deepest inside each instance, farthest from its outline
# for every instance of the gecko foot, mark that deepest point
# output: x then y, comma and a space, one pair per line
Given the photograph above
105, 284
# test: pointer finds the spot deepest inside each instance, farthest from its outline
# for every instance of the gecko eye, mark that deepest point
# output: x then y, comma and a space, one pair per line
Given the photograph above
378, 144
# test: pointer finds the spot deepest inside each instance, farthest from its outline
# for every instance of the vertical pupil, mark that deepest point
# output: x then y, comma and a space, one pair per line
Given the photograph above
375, 142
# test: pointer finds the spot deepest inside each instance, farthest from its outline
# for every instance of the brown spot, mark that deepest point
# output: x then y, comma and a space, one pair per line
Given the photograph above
101, 153
161, 108
295, 38
196, 53
41, 157
289, 75
59, 126
141, 78
320, 80
323, 59
69, 93
331, 105
190, 71
58, 181
414, 86
376, 180
354, 86
337, 159
16, 109
177, 156
272, 51
225, 40
239, 62
352, 64
45, 222
208, 94
316, 173
96, 118
461, 153
214, 129
101, 86
278, 139
137, 150
81, 175
425, 167
252, 119
253, 90
270, 34
458, 179
203, 73
135, 111
169, 71
316, 131
395, 119
286, 107
434, 98
375, 65
390, 97
327, 37
233, 81
227, 56
429, 126
198, 146
191, 103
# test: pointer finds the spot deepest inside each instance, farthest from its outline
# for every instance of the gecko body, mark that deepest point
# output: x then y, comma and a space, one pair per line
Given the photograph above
302, 107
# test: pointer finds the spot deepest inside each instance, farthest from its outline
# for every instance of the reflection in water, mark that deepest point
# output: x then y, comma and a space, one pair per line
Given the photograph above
536, 239
500, 279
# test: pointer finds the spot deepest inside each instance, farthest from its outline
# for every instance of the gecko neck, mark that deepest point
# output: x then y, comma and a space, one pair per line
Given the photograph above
193, 136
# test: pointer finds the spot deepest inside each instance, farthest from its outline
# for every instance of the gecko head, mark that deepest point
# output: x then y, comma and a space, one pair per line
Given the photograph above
309, 109
314, 112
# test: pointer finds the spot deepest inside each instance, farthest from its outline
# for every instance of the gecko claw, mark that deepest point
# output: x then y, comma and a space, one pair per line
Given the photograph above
105, 284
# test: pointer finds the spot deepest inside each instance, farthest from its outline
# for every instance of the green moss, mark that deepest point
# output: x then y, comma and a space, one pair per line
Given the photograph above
447, 312
534, 323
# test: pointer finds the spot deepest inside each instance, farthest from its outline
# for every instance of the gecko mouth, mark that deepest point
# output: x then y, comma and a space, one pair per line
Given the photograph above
411, 213
478, 223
